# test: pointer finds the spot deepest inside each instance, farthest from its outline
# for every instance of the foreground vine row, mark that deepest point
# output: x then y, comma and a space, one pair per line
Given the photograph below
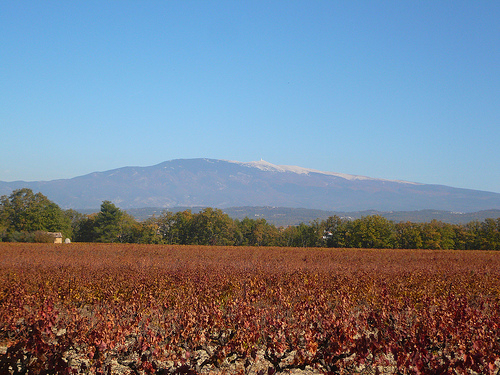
145, 309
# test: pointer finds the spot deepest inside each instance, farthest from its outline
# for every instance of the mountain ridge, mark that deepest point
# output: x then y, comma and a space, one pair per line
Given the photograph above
223, 183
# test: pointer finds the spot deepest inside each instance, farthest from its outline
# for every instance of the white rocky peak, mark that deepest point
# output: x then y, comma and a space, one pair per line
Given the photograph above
266, 166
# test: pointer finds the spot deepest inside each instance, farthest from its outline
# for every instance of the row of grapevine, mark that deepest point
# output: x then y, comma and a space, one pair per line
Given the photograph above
143, 309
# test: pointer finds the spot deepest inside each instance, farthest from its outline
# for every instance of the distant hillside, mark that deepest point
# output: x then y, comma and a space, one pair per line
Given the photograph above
225, 184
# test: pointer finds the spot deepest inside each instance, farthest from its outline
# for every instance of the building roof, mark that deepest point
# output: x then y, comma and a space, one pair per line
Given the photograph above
55, 234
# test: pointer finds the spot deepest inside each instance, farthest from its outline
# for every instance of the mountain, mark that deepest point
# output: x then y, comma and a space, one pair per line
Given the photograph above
223, 184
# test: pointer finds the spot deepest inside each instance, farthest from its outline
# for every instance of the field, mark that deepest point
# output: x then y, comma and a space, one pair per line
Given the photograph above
151, 309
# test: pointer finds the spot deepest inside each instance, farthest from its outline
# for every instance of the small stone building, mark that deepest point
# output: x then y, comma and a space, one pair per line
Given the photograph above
58, 237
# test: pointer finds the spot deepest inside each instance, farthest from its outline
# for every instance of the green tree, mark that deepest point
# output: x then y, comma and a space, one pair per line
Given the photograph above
84, 229
256, 232
182, 231
171, 228
465, 236
26, 212
437, 235
150, 232
4, 222
107, 224
335, 231
408, 235
130, 231
167, 228
490, 234
75, 219
301, 235
213, 227
374, 232
287, 236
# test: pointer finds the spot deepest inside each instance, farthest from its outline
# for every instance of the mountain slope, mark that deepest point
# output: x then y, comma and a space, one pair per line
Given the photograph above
221, 183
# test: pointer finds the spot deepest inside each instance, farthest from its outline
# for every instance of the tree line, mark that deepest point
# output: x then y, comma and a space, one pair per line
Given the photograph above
27, 217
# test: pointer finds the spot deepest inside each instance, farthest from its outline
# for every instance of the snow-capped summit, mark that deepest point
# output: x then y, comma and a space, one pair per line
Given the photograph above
266, 166
222, 184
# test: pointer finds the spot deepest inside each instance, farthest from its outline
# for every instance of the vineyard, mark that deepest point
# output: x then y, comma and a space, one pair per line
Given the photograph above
170, 309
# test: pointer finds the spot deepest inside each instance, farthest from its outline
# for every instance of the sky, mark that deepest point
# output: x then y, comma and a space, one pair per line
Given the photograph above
403, 90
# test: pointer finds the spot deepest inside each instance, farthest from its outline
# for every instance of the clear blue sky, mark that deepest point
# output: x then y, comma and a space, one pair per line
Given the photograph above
405, 90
